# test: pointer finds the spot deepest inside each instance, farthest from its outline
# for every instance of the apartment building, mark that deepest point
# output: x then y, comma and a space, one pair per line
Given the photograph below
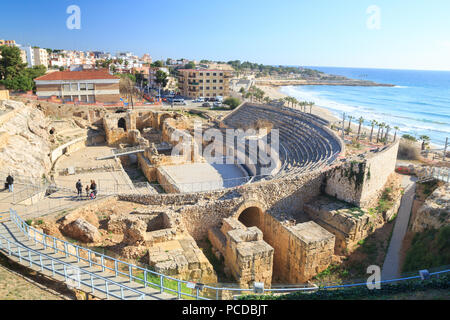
8, 43
88, 86
36, 56
205, 83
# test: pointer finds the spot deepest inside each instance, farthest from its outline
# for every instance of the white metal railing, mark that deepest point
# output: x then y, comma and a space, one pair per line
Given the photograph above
33, 257
92, 258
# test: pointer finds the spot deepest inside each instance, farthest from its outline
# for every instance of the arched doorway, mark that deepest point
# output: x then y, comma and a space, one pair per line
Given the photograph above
122, 124
251, 217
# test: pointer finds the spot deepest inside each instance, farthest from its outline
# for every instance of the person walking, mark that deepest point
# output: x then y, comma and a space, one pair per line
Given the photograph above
10, 183
79, 187
94, 189
87, 191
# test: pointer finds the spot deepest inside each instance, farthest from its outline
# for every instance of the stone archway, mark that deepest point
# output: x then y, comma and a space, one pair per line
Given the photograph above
251, 217
122, 123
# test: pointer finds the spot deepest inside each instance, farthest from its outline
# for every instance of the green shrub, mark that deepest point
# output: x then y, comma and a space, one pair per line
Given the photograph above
232, 102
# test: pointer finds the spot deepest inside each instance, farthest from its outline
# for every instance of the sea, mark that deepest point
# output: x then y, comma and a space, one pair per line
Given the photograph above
419, 102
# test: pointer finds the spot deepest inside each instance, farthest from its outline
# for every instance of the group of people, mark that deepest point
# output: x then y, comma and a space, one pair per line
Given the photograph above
91, 190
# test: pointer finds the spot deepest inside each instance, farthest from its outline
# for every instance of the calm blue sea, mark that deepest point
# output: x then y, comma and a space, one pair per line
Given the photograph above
419, 104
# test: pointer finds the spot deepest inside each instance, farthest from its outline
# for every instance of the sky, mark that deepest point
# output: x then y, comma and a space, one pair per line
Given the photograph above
400, 34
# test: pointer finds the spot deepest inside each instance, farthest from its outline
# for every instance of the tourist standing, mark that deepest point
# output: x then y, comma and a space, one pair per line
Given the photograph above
94, 188
10, 183
79, 187
87, 191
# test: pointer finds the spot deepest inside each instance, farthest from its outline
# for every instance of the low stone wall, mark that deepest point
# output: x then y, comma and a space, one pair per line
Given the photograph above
347, 223
434, 213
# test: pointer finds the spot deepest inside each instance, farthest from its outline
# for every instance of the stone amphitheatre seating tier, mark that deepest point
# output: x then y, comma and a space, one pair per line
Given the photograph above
304, 142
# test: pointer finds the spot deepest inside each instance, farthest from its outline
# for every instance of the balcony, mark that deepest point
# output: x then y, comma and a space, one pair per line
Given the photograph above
193, 83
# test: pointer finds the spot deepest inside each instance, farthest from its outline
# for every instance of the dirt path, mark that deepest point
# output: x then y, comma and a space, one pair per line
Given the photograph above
391, 266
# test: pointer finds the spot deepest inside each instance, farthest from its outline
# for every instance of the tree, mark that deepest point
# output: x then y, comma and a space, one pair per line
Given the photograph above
161, 78
242, 91
349, 123
373, 123
157, 64
361, 121
232, 102
395, 134
189, 65
11, 64
311, 104
425, 140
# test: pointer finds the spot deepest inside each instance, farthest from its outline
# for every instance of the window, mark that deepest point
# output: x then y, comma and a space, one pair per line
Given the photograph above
201, 74
207, 88
221, 74
214, 74
83, 98
201, 81
66, 87
221, 81
221, 88
207, 81
214, 88
214, 81
90, 86
82, 86
74, 86
207, 74
91, 98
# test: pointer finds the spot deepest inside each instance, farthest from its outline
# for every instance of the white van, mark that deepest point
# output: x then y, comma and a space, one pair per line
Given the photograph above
179, 102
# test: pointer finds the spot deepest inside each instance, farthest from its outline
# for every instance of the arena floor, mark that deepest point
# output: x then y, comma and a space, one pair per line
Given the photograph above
195, 177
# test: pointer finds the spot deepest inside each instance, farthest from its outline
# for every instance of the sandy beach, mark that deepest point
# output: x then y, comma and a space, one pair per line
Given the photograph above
273, 92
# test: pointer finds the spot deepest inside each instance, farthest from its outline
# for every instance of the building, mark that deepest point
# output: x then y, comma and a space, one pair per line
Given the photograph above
89, 86
8, 43
40, 57
36, 56
205, 83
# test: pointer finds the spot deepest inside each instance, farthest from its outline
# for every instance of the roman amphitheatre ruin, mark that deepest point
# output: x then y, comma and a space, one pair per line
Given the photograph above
281, 223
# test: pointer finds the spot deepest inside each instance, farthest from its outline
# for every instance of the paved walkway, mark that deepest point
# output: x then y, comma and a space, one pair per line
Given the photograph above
391, 266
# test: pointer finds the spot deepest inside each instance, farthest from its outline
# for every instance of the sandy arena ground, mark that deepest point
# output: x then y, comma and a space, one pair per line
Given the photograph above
204, 176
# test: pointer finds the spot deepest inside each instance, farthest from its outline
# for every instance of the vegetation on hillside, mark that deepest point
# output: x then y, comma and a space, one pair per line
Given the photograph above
429, 249
266, 70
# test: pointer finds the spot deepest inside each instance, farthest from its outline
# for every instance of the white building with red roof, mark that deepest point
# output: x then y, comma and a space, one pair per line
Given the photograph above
89, 86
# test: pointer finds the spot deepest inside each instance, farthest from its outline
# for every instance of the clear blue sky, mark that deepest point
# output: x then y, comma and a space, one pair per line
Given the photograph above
413, 34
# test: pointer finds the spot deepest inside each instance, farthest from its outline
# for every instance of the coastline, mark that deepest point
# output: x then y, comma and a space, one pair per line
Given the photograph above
274, 92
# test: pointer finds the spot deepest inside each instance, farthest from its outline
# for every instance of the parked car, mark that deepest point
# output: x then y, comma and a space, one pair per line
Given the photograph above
179, 101
199, 100
218, 104
206, 105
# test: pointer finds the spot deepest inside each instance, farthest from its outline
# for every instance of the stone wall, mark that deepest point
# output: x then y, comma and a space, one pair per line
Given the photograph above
434, 213
361, 181
248, 258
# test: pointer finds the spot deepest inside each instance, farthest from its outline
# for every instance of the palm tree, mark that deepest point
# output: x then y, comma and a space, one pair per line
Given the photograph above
360, 120
395, 134
386, 136
425, 140
267, 100
349, 123
311, 104
373, 123
380, 125
287, 99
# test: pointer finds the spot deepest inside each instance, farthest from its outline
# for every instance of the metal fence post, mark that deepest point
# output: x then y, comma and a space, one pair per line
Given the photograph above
161, 282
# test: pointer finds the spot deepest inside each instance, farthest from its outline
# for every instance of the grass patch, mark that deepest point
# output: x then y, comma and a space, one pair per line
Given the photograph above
429, 249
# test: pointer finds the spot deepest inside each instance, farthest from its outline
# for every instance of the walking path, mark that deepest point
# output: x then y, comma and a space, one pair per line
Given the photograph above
391, 266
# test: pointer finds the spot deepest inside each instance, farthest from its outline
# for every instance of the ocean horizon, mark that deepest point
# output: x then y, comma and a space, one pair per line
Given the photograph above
419, 102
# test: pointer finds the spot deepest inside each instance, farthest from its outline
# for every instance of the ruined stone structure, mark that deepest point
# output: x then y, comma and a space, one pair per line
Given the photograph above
271, 226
